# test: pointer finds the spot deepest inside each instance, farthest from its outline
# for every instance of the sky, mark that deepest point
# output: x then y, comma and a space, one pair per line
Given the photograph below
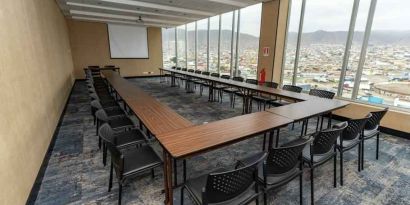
334, 15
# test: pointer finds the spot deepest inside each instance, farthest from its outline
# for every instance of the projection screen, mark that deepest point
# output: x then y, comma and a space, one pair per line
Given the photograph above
127, 41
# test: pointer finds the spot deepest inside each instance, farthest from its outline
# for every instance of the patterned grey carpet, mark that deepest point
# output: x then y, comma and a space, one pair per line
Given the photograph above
75, 174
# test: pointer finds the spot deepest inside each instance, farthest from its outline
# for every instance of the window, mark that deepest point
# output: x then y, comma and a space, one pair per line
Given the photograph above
249, 28
326, 24
291, 41
226, 43
213, 44
168, 47
181, 46
354, 54
202, 27
386, 72
191, 46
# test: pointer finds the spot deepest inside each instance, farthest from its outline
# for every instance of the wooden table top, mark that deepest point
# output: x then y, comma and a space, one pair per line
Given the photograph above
263, 89
196, 139
156, 116
310, 108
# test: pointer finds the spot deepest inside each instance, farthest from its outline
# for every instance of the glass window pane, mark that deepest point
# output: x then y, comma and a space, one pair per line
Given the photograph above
357, 42
249, 41
181, 46
323, 42
168, 47
191, 46
202, 26
386, 73
291, 41
213, 44
226, 39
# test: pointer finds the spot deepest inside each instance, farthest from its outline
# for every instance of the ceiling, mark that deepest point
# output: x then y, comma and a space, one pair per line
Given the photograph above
157, 13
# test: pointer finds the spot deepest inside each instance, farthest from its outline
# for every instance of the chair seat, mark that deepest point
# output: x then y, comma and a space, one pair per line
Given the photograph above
278, 103
108, 103
231, 90
129, 137
317, 158
120, 122
370, 133
140, 159
349, 143
114, 111
262, 98
196, 185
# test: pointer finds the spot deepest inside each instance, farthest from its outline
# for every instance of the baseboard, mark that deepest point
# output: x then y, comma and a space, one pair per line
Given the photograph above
386, 130
37, 183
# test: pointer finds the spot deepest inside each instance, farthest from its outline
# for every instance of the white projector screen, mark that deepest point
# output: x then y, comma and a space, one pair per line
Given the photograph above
128, 41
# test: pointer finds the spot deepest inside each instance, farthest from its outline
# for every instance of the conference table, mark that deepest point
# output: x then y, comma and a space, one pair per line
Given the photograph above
246, 89
181, 139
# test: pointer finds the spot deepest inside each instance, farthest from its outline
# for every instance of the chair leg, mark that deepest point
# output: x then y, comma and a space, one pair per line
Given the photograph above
334, 170
317, 123
119, 193
104, 154
377, 146
363, 149
182, 195
301, 188
264, 141
152, 173
359, 156
265, 199
175, 173
110, 182
341, 168
312, 190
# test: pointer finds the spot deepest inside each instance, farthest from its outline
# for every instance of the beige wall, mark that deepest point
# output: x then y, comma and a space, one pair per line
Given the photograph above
90, 46
35, 81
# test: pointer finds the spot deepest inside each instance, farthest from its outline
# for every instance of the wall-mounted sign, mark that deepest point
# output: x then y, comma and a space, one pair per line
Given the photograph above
266, 51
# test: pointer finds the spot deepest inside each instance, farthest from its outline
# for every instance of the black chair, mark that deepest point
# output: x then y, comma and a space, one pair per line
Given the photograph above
202, 83
261, 99
238, 186
131, 163
110, 110
350, 138
220, 87
372, 129
232, 90
241, 94
321, 150
122, 139
282, 165
280, 102
322, 94
118, 123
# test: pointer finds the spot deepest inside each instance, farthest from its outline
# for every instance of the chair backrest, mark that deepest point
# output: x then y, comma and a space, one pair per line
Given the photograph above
178, 68
221, 187
191, 70
322, 93
285, 158
198, 72
271, 84
215, 75
117, 158
325, 140
238, 78
184, 69
173, 67
96, 104
354, 128
206, 73
226, 77
292, 88
106, 133
374, 121
93, 66
101, 115
252, 81
109, 66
